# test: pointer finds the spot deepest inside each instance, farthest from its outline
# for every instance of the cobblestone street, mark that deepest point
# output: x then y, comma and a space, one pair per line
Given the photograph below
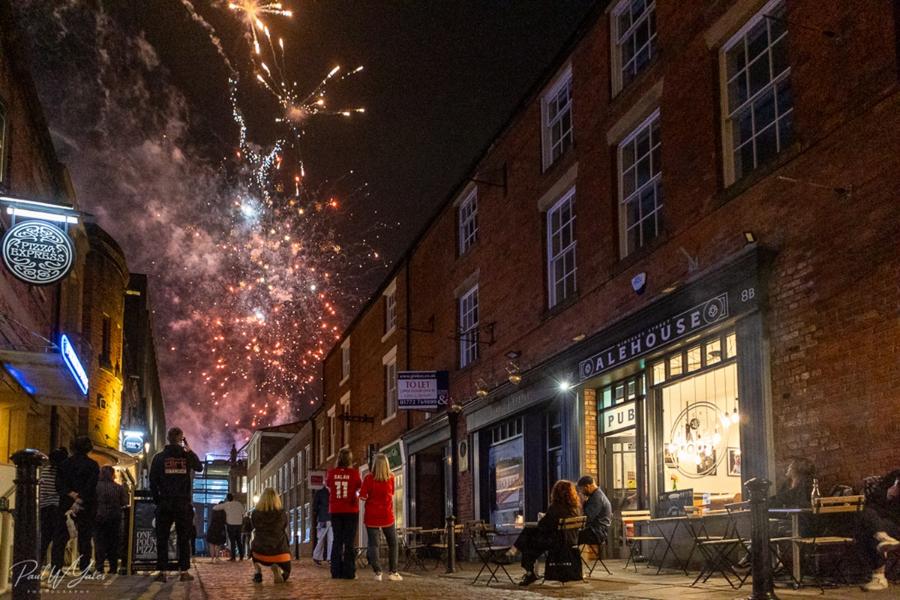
232, 581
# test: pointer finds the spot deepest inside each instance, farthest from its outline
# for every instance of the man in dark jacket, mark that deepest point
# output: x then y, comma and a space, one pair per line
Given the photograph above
324, 539
76, 482
170, 485
597, 509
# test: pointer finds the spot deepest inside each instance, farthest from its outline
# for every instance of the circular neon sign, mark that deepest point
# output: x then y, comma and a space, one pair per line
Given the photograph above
38, 253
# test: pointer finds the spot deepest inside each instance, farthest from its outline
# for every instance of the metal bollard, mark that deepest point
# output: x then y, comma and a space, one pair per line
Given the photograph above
451, 544
26, 579
761, 562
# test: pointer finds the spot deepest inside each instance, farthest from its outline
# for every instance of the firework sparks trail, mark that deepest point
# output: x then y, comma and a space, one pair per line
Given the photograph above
250, 276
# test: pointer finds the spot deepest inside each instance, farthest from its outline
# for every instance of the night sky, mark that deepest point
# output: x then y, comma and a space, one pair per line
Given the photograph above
137, 98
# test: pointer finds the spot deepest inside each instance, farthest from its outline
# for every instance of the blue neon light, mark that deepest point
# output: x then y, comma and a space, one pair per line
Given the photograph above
70, 357
20, 378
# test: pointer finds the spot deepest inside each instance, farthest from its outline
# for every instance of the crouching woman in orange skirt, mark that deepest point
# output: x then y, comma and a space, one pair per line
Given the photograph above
270, 546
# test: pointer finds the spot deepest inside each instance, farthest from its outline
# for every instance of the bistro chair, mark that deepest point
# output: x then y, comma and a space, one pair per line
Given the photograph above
839, 546
564, 560
720, 553
493, 557
412, 547
441, 547
634, 541
595, 545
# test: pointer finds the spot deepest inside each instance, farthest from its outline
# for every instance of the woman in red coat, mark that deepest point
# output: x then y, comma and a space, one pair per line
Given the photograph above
378, 492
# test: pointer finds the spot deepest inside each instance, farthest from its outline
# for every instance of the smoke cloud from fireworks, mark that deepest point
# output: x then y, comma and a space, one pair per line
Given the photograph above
251, 280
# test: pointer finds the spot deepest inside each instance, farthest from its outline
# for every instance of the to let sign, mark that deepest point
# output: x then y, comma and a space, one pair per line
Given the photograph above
422, 390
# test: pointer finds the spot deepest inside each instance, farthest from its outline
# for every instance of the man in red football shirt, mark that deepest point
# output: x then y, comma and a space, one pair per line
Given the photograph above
343, 483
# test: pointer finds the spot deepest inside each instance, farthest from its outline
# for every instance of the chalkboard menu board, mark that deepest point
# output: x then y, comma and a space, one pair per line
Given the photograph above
671, 504
144, 557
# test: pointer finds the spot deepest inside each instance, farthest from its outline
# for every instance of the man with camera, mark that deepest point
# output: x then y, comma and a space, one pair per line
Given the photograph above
170, 484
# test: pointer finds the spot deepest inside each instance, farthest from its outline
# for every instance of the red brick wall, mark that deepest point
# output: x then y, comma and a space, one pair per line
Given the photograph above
832, 298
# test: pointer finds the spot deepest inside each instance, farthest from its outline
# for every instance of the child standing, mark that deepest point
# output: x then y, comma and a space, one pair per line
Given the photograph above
270, 546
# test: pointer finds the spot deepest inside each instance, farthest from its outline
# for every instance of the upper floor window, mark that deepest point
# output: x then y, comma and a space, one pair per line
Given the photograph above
345, 360
468, 327
640, 189
634, 30
757, 88
561, 249
106, 342
390, 384
468, 222
4, 129
332, 432
321, 443
345, 411
556, 108
390, 309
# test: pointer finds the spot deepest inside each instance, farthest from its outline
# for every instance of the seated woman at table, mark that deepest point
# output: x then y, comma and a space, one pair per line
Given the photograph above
795, 491
534, 542
878, 529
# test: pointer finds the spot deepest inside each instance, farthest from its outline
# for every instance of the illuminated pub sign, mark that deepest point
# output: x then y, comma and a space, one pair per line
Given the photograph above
131, 442
37, 252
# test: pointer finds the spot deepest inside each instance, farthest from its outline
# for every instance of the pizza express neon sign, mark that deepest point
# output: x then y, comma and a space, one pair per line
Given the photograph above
70, 357
37, 252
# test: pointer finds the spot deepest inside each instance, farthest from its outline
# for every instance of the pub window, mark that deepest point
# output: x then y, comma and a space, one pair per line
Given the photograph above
713, 351
675, 363
731, 345
694, 358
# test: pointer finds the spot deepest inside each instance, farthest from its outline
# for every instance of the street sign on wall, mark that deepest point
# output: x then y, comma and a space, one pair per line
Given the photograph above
422, 390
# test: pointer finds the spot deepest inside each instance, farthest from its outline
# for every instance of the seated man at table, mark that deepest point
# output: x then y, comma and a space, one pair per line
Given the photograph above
535, 541
878, 529
598, 510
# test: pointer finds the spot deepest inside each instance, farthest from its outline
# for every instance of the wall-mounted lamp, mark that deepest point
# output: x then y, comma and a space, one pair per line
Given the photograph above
481, 388
513, 373
578, 338
565, 385
749, 237
513, 354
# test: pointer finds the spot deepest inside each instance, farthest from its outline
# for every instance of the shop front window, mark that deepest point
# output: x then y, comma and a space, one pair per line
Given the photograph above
506, 461
554, 447
701, 427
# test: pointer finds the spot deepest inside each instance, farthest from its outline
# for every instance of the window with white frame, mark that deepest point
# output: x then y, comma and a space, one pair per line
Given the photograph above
759, 103
345, 410
640, 186
321, 443
345, 360
390, 383
4, 142
634, 30
390, 309
561, 249
468, 222
332, 432
468, 327
556, 108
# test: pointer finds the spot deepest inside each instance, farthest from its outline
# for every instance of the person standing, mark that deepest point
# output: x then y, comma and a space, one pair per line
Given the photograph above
53, 521
170, 486
343, 485
270, 546
246, 531
324, 540
111, 499
234, 519
216, 531
598, 510
378, 492
76, 482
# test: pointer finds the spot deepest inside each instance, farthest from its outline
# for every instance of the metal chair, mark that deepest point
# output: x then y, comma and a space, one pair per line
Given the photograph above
718, 551
442, 545
810, 545
564, 560
493, 557
593, 542
633, 541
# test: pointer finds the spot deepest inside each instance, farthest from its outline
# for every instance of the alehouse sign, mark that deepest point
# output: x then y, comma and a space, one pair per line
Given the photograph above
683, 324
37, 252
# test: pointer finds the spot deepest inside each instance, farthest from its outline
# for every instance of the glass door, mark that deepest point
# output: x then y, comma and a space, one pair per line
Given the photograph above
620, 479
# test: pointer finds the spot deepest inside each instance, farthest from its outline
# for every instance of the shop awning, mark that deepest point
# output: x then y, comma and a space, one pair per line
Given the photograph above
47, 377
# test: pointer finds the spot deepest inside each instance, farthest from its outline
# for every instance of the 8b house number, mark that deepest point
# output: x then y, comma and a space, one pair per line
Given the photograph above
748, 294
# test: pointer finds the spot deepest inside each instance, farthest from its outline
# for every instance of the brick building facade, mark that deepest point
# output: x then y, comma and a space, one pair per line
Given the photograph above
674, 267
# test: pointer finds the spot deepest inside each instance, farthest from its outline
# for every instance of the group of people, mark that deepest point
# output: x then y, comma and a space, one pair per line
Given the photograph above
877, 530
229, 523
567, 500
79, 499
